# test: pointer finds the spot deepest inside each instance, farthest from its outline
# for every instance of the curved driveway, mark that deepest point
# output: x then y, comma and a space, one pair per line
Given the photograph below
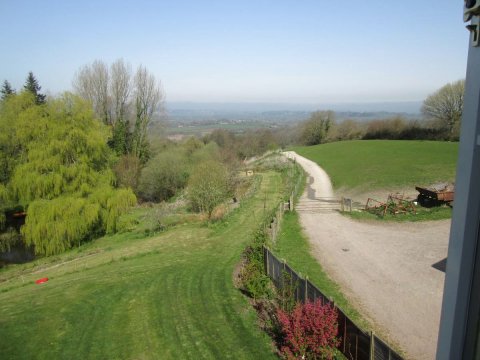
385, 269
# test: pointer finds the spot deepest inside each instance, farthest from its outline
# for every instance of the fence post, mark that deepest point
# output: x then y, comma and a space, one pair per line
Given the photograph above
343, 204
265, 255
306, 288
372, 345
291, 202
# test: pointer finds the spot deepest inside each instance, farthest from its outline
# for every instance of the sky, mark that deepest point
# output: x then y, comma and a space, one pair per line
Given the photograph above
296, 51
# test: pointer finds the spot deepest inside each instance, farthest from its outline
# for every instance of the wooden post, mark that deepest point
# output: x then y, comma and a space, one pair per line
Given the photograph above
356, 346
343, 204
306, 288
265, 254
372, 345
350, 201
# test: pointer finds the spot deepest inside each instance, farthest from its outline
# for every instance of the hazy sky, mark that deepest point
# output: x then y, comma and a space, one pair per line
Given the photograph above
296, 51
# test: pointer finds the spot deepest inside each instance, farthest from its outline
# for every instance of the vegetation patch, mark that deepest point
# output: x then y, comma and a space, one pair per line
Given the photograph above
171, 293
383, 164
422, 214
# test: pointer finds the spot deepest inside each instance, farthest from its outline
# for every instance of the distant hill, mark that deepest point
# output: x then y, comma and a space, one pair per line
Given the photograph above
211, 113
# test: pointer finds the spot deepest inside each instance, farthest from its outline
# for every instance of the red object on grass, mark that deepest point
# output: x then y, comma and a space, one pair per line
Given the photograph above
41, 281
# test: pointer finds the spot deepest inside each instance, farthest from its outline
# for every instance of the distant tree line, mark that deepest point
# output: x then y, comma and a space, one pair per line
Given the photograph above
442, 112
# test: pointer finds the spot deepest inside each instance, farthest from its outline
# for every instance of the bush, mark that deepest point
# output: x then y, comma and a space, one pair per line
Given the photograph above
208, 186
127, 171
163, 176
316, 129
309, 331
254, 280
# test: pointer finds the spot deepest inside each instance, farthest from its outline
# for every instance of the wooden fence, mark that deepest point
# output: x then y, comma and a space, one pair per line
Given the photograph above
356, 344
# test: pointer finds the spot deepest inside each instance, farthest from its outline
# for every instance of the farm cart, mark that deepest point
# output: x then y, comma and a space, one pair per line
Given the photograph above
429, 197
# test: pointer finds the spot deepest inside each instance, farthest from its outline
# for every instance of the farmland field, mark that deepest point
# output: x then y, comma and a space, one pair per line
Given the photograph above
135, 297
380, 164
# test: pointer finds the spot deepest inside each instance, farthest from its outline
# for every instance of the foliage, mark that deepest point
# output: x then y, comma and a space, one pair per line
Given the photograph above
6, 90
316, 129
309, 331
253, 278
58, 169
163, 176
208, 186
127, 171
9, 239
446, 106
384, 164
347, 130
32, 86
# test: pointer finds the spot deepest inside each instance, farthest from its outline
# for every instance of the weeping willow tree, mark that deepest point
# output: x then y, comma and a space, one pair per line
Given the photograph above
61, 172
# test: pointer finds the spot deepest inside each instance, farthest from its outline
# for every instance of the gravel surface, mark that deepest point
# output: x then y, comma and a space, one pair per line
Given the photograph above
385, 269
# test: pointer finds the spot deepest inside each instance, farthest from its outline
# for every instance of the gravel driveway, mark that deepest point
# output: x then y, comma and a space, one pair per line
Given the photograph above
385, 269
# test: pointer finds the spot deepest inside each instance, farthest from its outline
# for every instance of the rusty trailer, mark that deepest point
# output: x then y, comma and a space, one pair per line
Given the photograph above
434, 197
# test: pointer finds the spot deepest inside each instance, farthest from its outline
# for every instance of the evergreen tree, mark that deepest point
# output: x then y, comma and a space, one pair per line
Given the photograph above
6, 90
31, 85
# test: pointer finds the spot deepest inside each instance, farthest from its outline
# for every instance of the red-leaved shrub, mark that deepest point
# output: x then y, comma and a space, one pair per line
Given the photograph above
309, 331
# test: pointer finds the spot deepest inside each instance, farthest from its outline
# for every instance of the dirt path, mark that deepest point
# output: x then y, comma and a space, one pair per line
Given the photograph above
385, 269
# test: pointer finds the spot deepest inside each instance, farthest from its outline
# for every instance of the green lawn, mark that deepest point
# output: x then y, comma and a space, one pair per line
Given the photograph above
130, 297
382, 164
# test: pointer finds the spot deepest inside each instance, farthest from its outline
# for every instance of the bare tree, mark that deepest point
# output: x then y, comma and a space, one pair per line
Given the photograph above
91, 83
149, 97
120, 100
445, 107
120, 89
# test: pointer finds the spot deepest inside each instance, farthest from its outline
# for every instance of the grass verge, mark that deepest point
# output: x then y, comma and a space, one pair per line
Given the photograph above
423, 214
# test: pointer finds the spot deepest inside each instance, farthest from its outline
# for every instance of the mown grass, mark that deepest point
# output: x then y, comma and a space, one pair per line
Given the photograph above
383, 164
134, 297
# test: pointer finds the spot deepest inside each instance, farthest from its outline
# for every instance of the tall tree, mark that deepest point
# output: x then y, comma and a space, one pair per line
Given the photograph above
148, 100
445, 106
91, 83
124, 102
6, 90
31, 85
120, 88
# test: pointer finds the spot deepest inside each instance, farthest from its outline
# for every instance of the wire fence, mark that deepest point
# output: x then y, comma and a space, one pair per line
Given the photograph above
356, 344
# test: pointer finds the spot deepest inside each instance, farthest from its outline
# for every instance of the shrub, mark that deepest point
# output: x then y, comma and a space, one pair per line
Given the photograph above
163, 176
127, 171
316, 129
309, 331
254, 280
208, 186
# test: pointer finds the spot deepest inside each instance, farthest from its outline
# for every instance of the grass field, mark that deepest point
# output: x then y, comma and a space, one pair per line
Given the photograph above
383, 164
133, 297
